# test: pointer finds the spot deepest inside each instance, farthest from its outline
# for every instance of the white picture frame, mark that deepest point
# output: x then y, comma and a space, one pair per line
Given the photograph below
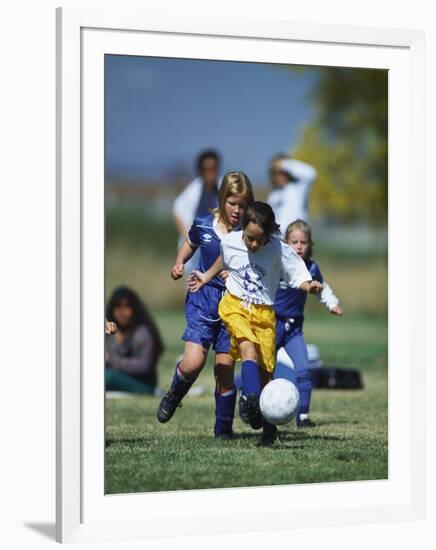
84, 513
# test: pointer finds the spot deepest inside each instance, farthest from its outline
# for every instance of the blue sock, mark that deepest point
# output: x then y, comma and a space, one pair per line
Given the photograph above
250, 377
305, 388
180, 385
224, 412
296, 349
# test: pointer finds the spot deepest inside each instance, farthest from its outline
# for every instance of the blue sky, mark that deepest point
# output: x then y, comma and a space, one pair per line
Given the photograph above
161, 112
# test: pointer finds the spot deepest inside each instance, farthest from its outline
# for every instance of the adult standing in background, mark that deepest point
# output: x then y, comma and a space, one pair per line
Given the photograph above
199, 197
292, 181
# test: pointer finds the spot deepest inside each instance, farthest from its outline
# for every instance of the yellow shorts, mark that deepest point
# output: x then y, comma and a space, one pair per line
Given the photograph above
255, 323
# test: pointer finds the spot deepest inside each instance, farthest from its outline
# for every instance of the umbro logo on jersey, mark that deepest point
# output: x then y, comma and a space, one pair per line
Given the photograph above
207, 238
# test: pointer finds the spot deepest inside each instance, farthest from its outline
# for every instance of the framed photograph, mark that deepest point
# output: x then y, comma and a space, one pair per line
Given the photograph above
213, 174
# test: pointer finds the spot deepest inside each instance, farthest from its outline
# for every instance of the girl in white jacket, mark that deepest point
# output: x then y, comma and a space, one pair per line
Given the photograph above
289, 306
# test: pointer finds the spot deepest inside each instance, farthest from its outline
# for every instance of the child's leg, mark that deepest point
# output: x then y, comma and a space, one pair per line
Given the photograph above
194, 359
297, 351
187, 371
265, 377
249, 368
251, 384
225, 395
198, 337
269, 431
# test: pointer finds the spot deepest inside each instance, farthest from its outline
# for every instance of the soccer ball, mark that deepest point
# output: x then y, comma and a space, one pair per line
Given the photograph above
279, 401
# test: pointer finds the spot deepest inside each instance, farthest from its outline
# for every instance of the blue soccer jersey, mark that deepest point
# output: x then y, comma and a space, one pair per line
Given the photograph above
203, 324
205, 235
289, 302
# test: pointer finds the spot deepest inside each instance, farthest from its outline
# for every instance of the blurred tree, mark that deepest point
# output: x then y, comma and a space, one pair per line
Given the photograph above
347, 144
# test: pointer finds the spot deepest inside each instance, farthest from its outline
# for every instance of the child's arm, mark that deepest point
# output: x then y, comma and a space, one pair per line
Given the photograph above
110, 327
299, 171
337, 310
185, 253
199, 279
311, 287
328, 298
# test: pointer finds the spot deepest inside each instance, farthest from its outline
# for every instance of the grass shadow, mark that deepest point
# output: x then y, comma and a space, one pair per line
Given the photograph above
126, 441
333, 422
247, 436
306, 436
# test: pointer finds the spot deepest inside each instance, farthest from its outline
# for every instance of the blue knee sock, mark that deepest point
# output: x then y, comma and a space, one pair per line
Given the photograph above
304, 384
180, 385
224, 412
250, 377
297, 351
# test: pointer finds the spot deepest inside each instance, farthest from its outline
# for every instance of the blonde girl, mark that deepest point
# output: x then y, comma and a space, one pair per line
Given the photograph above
204, 327
289, 308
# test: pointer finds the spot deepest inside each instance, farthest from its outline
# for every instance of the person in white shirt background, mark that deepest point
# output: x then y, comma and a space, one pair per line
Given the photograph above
292, 182
198, 197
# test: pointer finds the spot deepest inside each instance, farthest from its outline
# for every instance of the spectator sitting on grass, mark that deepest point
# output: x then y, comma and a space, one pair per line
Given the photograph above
132, 353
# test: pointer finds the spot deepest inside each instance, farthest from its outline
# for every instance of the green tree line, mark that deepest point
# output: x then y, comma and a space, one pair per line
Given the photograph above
347, 142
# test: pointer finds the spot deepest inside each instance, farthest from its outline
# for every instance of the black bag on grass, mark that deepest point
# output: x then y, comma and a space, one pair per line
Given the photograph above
332, 378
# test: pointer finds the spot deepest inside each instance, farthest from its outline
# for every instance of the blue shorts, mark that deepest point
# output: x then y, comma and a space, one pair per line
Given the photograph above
203, 324
285, 330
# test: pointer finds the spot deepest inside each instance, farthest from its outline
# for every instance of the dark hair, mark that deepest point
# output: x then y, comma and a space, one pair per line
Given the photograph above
261, 214
208, 154
279, 156
141, 316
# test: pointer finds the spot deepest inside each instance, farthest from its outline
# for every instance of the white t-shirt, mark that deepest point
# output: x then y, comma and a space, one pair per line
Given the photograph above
186, 203
290, 203
255, 276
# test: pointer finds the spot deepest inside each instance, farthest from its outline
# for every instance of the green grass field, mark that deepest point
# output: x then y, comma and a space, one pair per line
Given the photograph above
349, 442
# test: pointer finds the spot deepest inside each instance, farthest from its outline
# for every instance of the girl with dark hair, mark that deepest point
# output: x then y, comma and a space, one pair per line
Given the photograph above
256, 261
204, 328
132, 353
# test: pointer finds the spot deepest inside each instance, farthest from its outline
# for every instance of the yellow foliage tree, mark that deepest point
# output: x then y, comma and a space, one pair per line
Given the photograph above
347, 143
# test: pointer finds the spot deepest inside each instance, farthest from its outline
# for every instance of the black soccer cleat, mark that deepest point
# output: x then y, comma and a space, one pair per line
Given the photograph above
243, 413
269, 435
306, 423
167, 407
253, 411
